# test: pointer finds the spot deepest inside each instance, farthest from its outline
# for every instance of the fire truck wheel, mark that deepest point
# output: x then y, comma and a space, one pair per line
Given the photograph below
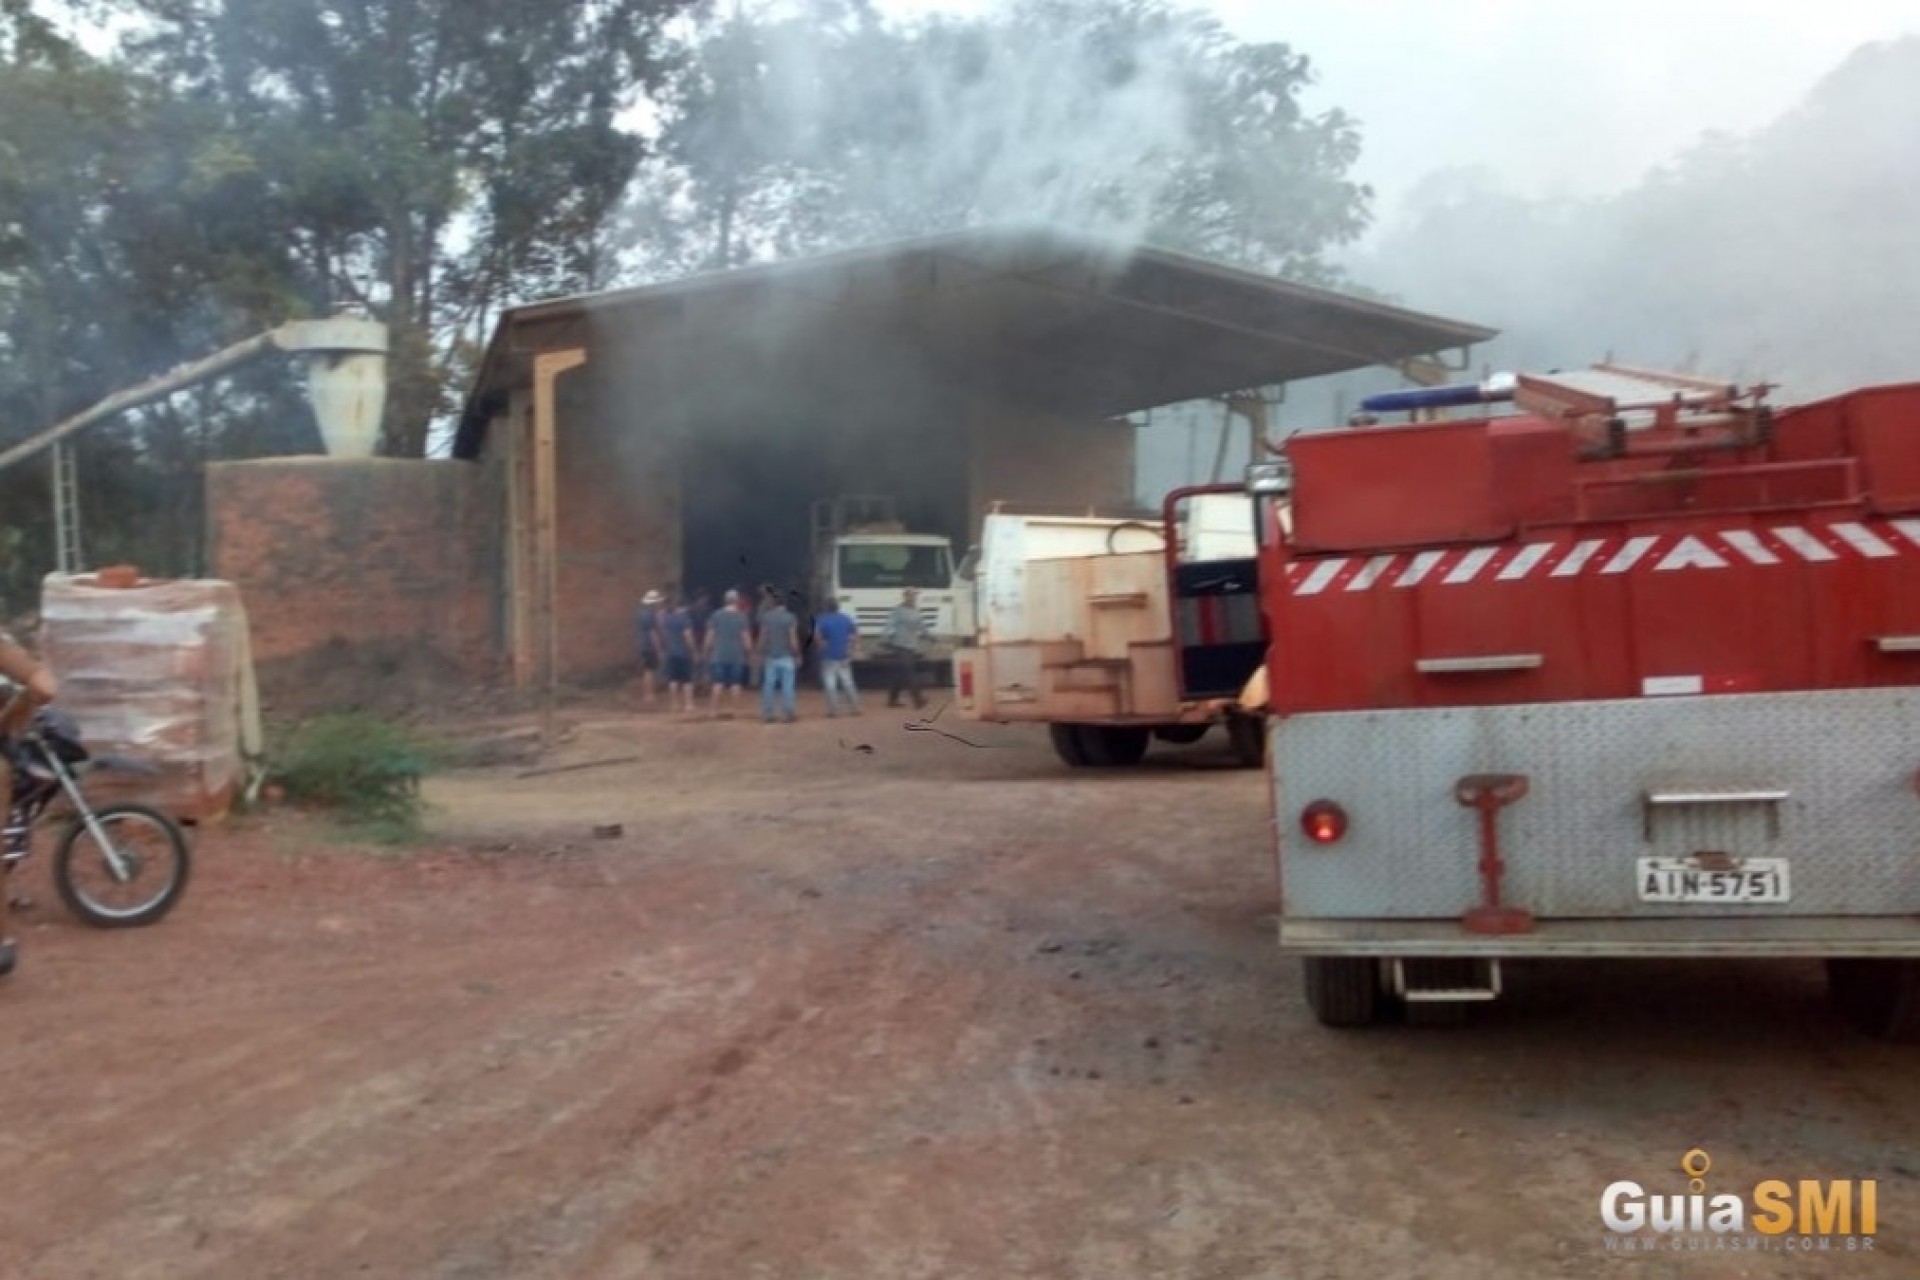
1343, 991
1113, 746
1181, 735
1066, 744
1248, 737
1880, 997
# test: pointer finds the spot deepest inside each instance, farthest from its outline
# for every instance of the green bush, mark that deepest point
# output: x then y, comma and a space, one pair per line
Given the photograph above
363, 767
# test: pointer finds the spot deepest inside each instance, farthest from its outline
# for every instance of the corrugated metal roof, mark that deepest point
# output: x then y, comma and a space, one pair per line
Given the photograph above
1058, 321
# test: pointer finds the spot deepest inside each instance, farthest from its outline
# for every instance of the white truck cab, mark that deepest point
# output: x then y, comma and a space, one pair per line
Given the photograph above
864, 557
870, 570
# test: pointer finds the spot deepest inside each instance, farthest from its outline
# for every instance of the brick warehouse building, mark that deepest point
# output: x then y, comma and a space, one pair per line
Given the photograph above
678, 433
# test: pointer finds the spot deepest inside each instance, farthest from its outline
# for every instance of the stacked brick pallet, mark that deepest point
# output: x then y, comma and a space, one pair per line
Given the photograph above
160, 672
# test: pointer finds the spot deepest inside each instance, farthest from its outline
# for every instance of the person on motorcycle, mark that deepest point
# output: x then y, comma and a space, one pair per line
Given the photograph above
36, 688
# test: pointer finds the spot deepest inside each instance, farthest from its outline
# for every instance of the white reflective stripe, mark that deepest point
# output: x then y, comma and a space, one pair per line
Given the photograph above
1370, 574
1804, 544
1523, 564
1690, 553
1470, 565
1864, 540
1748, 544
1323, 573
1629, 555
1577, 558
1417, 571
1603, 555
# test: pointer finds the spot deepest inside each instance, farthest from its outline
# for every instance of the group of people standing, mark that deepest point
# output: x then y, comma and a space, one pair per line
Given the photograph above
687, 645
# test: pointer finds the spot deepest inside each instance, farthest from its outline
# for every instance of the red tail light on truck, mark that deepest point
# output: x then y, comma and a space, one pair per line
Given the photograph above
1324, 822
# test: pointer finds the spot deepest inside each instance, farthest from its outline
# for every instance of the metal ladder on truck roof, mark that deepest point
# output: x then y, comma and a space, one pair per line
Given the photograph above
1619, 411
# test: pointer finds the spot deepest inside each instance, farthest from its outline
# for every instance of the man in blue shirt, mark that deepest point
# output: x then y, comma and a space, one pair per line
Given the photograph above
837, 636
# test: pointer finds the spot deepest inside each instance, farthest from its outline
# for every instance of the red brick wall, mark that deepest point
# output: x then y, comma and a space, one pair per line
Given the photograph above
617, 518
618, 531
406, 555
1048, 463
383, 553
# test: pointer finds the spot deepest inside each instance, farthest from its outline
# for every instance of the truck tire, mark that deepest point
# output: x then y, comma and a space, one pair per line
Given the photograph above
1066, 744
1181, 735
1113, 746
1343, 991
1247, 735
1879, 997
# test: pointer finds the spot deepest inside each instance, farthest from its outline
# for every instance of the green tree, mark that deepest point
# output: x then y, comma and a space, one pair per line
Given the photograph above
430, 160
1139, 119
122, 251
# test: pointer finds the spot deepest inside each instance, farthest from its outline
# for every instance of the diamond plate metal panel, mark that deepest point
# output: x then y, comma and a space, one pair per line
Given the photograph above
1846, 759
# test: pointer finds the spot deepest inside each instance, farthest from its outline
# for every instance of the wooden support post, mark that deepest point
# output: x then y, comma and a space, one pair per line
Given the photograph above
547, 368
516, 431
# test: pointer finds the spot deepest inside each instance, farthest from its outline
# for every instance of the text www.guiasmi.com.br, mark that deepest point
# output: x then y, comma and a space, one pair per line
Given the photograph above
1713, 1242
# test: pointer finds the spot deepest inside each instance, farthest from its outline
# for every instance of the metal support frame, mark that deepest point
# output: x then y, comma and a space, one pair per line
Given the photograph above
68, 557
337, 336
1253, 405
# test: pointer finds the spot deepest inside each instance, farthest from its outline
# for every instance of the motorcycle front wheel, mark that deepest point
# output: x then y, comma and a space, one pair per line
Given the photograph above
152, 852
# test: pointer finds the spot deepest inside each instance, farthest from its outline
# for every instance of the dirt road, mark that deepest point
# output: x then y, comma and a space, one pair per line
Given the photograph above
920, 1011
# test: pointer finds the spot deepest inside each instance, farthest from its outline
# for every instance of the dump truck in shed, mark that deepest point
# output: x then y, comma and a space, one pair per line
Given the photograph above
1631, 672
863, 558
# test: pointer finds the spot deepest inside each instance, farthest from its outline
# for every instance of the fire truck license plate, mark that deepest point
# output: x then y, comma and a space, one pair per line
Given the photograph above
1681, 880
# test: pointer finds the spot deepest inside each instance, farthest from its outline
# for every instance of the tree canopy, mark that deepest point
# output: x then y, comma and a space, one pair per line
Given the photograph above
237, 163
425, 159
124, 248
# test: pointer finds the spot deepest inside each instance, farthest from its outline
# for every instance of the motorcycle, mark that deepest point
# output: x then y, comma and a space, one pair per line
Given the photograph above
115, 865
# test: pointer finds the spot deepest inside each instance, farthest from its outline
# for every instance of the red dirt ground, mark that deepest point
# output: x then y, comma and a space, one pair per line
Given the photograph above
923, 1011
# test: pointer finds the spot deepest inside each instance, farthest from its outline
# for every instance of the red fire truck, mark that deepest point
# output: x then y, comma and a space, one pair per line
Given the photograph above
1631, 671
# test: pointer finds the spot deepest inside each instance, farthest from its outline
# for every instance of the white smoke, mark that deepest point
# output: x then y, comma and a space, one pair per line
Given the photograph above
1032, 123
1787, 255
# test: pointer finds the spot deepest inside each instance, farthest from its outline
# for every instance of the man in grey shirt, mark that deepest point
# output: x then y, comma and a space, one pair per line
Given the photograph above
906, 631
779, 659
727, 646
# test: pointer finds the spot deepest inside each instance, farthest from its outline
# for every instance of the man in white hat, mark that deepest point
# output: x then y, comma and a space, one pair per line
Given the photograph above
646, 625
